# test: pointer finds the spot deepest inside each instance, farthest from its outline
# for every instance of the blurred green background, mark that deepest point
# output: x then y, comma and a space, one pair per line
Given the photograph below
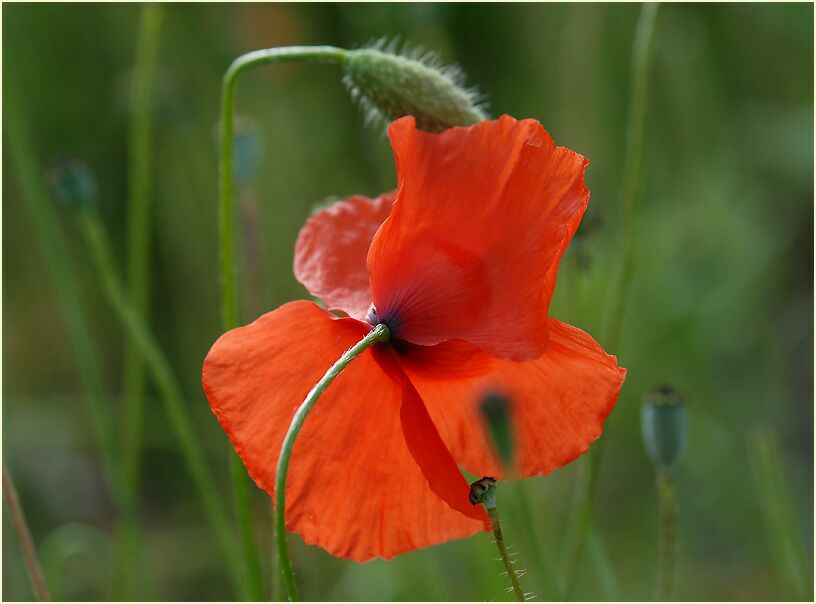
721, 305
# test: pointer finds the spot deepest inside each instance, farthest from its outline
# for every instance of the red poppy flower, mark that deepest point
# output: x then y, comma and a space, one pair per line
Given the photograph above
460, 264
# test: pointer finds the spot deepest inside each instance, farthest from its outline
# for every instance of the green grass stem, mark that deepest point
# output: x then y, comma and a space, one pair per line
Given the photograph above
97, 404
774, 495
581, 521
140, 201
667, 550
171, 395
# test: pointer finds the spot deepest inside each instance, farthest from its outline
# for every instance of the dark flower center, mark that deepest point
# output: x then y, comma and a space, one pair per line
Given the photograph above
390, 320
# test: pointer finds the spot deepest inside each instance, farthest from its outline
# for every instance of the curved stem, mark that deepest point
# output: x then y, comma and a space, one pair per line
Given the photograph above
379, 334
667, 496
226, 235
32, 562
493, 513
226, 209
582, 518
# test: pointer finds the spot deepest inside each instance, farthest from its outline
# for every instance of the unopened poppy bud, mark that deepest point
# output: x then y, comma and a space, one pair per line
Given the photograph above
389, 85
664, 424
495, 409
73, 183
484, 491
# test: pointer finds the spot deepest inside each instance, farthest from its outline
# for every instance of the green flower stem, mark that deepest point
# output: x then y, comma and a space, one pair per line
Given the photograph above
226, 226
582, 519
32, 561
226, 207
667, 504
276, 589
493, 513
380, 333
138, 221
171, 395
55, 249
243, 513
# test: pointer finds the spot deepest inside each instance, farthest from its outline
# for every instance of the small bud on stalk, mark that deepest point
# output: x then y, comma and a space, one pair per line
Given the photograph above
389, 85
484, 491
664, 424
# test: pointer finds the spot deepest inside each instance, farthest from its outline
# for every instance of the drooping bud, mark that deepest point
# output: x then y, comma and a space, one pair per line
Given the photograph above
389, 85
495, 409
664, 425
73, 183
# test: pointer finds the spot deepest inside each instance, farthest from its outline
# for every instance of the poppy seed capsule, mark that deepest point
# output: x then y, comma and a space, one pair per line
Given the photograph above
664, 424
389, 86
73, 183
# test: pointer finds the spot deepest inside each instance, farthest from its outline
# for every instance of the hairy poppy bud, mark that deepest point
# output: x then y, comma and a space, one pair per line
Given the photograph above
73, 183
495, 409
664, 424
389, 85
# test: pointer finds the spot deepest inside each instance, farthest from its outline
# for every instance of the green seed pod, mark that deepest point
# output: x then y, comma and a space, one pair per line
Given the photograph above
664, 425
73, 183
389, 85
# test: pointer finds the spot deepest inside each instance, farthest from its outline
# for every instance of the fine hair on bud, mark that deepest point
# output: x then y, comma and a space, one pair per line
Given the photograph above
389, 84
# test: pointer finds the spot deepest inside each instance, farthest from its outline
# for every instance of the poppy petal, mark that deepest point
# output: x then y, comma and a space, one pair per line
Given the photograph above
353, 488
430, 452
482, 217
558, 402
331, 249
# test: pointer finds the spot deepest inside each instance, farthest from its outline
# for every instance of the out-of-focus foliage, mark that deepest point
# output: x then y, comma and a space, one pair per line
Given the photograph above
721, 306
